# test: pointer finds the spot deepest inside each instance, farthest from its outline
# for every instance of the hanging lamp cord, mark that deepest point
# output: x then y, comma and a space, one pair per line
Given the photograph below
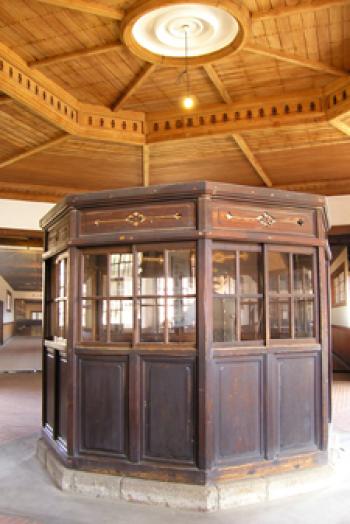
186, 62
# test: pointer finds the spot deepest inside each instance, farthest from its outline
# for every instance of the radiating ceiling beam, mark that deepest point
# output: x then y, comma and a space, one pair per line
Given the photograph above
248, 153
139, 79
341, 126
82, 53
218, 84
301, 7
145, 165
91, 7
290, 58
33, 151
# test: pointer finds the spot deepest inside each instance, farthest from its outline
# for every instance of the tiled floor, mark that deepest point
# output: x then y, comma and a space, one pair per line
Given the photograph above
21, 354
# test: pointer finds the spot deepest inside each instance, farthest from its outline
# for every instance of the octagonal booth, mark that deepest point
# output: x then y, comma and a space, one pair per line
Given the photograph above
186, 332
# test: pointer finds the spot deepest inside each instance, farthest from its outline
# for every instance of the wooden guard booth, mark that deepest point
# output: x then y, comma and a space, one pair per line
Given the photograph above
186, 331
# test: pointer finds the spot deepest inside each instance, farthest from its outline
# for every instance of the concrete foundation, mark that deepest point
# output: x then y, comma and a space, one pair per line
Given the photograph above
213, 497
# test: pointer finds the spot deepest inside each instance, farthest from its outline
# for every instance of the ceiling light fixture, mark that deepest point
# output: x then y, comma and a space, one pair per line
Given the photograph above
188, 102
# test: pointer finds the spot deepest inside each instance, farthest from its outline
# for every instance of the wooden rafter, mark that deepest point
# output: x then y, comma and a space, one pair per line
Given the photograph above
341, 126
135, 84
299, 8
81, 53
92, 7
248, 153
30, 152
217, 82
145, 165
295, 60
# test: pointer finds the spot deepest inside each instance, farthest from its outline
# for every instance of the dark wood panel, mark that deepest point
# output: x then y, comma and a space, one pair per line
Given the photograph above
263, 218
176, 215
168, 409
298, 402
341, 348
58, 235
62, 407
103, 404
50, 389
239, 409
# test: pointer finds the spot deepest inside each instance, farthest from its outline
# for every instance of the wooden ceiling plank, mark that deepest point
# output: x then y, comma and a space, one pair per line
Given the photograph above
300, 8
217, 82
82, 53
315, 185
139, 79
295, 60
25, 154
146, 165
242, 144
92, 7
5, 100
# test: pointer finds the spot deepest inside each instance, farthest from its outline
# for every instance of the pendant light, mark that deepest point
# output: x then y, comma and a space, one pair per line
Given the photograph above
188, 101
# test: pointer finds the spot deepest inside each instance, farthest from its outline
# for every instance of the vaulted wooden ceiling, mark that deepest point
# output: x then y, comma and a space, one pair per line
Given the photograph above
80, 112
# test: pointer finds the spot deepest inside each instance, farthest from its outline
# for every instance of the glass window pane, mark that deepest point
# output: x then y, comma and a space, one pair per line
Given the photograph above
250, 273
151, 273
95, 276
304, 318
251, 319
62, 278
303, 274
279, 272
94, 320
152, 320
182, 272
280, 319
121, 320
224, 272
182, 319
121, 267
224, 325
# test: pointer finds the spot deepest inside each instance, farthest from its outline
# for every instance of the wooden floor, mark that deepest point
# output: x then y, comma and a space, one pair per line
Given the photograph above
21, 354
341, 402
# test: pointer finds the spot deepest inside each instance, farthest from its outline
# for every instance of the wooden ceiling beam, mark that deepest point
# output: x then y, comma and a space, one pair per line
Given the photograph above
139, 79
290, 58
248, 153
30, 152
145, 165
91, 7
300, 8
341, 126
73, 55
218, 84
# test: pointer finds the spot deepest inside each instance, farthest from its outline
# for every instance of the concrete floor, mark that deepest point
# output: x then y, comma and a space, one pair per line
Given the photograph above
21, 354
27, 493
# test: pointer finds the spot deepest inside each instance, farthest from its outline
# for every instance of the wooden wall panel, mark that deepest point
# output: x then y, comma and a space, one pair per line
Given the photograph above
239, 409
49, 390
168, 409
298, 399
103, 401
62, 398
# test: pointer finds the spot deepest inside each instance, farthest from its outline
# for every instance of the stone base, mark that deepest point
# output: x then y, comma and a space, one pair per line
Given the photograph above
213, 497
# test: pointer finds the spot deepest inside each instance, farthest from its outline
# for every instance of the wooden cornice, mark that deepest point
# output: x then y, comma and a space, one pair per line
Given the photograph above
218, 84
248, 153
81, 53
290, 58
91, 7
35, 192
299, 8
139, 79
33, 151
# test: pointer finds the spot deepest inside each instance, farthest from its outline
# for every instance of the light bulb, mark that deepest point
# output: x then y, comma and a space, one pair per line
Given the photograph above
188, 102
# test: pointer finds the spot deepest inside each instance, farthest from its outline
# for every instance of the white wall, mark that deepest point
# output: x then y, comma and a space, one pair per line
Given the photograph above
5, 286
20, 214
339, 209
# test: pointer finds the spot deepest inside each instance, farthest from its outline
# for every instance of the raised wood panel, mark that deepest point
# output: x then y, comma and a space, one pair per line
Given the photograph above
233, 216
103, 401
62, 379
177, 215
239, 409
168, 409
58, 235
298, 398
50, 390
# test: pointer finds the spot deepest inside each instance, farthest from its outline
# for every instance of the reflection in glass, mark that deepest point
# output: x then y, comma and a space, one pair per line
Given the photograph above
151, 279
121, 320
62, 278
121, 267
224, 324
280, 319
250, 273
182, 319
279, 272
303, 273
95, 276
94, 320
224, 272
304, 318
151, 319
251, 319
61, 318
182, 276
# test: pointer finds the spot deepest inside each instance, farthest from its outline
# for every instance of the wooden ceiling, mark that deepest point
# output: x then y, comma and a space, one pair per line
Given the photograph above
80, 112
21, 268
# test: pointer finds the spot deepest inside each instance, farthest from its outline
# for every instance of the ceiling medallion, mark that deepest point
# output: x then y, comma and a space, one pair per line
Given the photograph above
155, 30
